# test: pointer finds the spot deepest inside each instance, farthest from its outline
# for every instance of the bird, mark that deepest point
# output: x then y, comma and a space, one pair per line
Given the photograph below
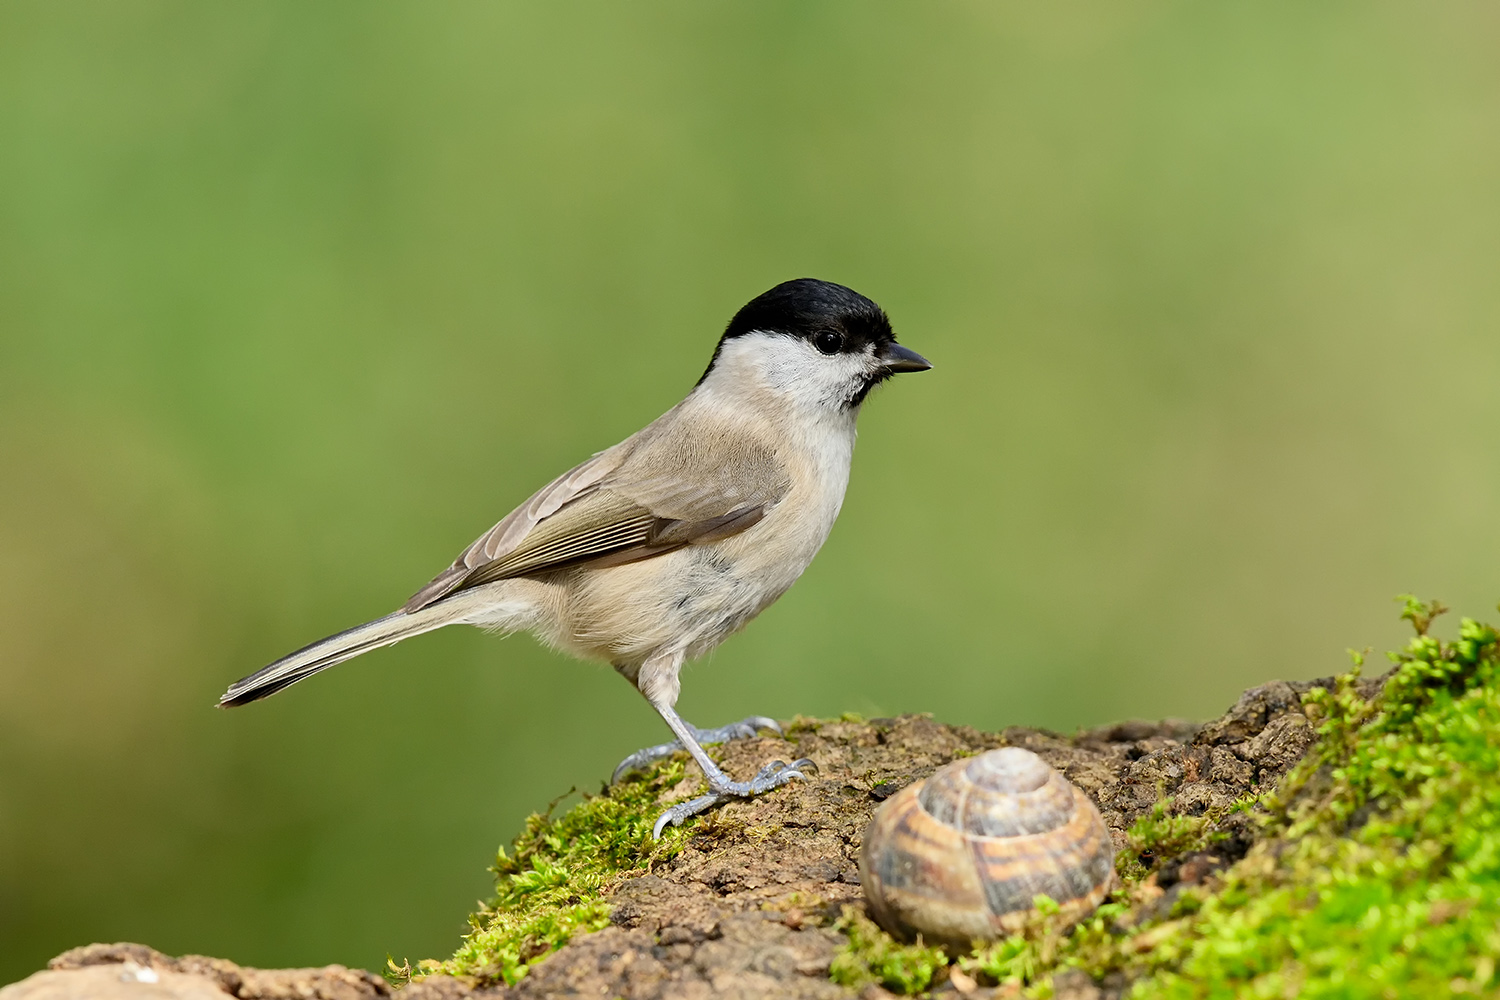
656, 550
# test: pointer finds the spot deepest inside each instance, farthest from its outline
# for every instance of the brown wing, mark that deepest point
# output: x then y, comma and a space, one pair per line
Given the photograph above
648, 495
579, 481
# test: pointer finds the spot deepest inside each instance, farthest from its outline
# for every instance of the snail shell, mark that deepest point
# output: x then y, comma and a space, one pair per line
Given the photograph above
962, 855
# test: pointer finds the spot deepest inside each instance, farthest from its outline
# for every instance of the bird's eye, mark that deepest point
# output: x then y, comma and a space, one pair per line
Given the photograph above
828, 342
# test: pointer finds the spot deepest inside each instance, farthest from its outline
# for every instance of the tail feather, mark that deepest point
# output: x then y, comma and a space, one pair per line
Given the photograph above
336, 649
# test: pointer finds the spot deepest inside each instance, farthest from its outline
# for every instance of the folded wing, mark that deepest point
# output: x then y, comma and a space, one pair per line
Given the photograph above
649, 495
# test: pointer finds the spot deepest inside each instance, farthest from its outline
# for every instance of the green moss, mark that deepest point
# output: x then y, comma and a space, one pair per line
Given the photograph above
1162, 834
551, 884
802, 724
1382, 878
1376, 872
1030, 956
871, 956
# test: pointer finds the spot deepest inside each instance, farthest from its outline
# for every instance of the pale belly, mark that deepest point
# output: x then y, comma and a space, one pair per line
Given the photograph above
685, 602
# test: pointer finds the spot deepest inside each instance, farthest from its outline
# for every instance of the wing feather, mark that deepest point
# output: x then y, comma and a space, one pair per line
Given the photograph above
503, 538
650, 494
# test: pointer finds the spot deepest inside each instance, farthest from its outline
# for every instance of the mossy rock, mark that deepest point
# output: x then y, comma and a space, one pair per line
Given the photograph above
1335, 838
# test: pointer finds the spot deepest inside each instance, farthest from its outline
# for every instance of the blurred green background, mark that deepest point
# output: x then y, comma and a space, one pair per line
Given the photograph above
297, 299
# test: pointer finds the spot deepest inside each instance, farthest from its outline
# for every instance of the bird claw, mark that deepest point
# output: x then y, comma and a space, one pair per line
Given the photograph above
642, 758
743, 729
773, 775
682, 810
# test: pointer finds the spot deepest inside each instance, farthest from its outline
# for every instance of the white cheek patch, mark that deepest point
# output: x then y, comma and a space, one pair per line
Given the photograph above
793, 367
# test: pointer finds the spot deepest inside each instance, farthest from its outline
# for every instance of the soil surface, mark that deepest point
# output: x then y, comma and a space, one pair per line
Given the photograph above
745, 910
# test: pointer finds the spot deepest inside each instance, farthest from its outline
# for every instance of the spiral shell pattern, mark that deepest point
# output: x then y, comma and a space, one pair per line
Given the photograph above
962, 855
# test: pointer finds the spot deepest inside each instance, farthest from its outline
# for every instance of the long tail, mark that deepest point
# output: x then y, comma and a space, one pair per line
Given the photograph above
337, 648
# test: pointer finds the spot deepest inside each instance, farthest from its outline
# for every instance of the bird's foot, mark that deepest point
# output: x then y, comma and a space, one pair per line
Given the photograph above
721, 789
744, 729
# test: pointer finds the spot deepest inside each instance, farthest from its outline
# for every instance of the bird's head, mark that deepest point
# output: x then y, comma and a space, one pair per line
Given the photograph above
817, 343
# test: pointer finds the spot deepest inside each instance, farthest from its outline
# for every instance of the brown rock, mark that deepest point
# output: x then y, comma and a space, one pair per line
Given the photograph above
134, 970
1075, 984
1255, 709
745, 909
1276, 748
126, 981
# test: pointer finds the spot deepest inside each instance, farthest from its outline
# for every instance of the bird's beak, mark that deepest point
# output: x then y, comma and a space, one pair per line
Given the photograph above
899, 359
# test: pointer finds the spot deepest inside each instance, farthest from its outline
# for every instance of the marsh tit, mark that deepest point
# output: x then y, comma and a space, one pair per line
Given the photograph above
656, 550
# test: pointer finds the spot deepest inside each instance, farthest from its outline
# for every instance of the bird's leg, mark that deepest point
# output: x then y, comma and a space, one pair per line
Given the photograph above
657, 680
744, 729
721, 787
